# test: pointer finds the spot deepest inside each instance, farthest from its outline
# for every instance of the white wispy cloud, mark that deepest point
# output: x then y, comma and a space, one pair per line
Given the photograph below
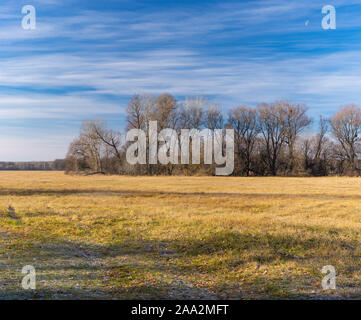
61, 106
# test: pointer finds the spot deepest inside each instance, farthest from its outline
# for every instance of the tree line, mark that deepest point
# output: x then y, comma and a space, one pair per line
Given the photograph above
269, 139
56, 165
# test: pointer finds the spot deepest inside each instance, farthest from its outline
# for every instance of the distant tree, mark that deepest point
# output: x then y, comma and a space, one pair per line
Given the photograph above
346, 127
59, 164
166, 112
214, 117
135, 113
112, 145
321, 138
244, 121
87, 149
270, 139
192, 113
273, 132
295, 121
315, 151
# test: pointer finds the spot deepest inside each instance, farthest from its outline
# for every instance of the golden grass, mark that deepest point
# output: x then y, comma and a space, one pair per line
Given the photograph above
179, 237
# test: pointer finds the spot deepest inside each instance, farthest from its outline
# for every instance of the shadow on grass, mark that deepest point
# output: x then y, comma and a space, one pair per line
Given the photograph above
32, 192
148, 268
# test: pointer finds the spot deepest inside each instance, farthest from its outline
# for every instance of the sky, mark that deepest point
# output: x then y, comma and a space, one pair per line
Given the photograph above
85, 59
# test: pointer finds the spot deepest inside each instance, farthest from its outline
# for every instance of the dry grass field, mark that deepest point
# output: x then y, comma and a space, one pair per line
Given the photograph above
101, 237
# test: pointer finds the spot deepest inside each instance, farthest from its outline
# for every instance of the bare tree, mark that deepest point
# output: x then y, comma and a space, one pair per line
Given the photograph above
88, 147
214, 117
314, 150
135, 113
244, 121
165, 112
269, 139
76, 157
192, 113
140, 111
273, 130
346, 126
321, 137
296, 120
111, 140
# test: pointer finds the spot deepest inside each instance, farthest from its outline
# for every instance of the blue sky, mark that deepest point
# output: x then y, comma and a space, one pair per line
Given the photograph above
86, 58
